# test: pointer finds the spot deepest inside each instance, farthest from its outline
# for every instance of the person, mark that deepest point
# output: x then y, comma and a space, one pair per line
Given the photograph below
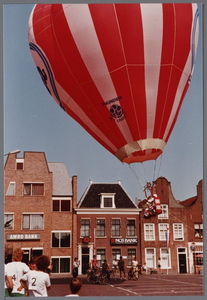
15, 270
134, 264
32, 264
75, 267
75, 286
121, 267
105, 269
145, 268
49, 268
159, 265
8, 284
37, 282
94, 265
115, 265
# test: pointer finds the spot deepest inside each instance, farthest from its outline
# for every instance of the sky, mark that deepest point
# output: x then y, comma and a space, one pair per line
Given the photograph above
34, 122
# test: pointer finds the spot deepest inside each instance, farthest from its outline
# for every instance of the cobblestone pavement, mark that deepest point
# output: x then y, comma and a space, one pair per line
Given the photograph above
150, 285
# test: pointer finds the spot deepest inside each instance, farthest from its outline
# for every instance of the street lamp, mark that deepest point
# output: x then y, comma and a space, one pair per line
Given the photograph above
192, 247
13, 152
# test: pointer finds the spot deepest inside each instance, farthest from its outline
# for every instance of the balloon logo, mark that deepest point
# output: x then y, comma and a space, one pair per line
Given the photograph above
120, 70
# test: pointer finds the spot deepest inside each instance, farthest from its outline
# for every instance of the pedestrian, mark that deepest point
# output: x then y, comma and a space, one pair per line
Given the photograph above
75, 286
159, 265
145, 268
75, 267
105, 269
115, 265
134, 264
49, 268
8, 284
15, 270
121, 267
94, 265
37, 282
32, 264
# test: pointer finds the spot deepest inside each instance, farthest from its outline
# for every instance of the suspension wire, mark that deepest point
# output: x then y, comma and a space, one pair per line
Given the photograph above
182, 222
134, 172
155, 164
160, 165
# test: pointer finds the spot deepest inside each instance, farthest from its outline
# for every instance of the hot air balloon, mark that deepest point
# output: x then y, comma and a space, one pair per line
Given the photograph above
120, 70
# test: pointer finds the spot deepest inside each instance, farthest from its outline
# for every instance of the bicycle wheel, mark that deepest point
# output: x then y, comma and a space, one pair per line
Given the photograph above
135, 275
130, 275
89, 278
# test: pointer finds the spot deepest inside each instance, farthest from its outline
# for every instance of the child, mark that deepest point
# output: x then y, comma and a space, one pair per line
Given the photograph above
37, 281
75, 286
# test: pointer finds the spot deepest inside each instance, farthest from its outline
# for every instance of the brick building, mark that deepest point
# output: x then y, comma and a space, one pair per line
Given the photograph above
183, 221
108, 225
39, 202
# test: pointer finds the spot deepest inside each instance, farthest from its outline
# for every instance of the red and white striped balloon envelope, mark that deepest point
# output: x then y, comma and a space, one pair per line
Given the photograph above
120, 70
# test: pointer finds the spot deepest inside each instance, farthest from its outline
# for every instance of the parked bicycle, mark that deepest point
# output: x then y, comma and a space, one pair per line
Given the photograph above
133, 274
100, 277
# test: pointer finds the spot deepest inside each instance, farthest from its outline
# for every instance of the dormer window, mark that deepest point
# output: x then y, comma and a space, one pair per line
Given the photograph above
107, 200
19, 164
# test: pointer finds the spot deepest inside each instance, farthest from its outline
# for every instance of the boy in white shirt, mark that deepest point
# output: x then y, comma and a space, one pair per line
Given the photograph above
37, 282
15, 270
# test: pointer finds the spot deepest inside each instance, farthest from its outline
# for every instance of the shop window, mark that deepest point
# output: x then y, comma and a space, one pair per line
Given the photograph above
61, 205
115, 227
85, 227
178, 232
60, 239
11, 189
33, 221
61, 265
33, 189
149, 232
130, 252
131, 229
100, 227
198, 230
8, 221
100, 255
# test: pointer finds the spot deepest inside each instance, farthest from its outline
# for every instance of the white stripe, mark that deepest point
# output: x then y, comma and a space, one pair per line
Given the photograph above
81, 25
30, 27
152, 21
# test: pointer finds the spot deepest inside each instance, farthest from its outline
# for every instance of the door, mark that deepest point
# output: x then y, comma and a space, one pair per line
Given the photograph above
182, 263
85, 260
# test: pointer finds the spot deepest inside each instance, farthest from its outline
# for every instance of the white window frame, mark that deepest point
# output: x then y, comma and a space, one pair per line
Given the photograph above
31, 183
119, 227
108, 195
164, 214
59, 257
60, 231
198, 226
101, 236
148, 256
167, 256
19, 160
129, 219
30, 214
60, 199
175, 232
148, 229
12, 217
11, 188
82, 236
162, 232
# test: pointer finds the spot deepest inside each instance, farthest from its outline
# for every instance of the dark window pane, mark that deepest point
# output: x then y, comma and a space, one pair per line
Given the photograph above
107, 202
65, 239
55, 265
37, 189
64, 265
55, 239
65, 205
56, 205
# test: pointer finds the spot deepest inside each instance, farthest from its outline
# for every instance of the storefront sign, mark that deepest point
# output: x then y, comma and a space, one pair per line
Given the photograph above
124, 241
17, 237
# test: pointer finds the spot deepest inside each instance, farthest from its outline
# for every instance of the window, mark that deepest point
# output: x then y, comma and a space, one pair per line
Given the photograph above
101, 255
198, 230
19, 164
60, 239
178, 232
164, 214
116, 253
8, 221
107, 201
100, 227
85, 227
60, 205
162, 231
33, 189
61, 264
149, 232
11, 189
33, 221
150, 257
115, 227
130, 253
165, 258
131, 228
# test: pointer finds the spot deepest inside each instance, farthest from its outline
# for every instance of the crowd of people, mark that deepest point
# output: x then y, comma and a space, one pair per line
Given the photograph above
34, 279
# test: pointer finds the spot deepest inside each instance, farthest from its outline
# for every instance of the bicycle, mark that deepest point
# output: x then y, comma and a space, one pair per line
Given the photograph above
133, 274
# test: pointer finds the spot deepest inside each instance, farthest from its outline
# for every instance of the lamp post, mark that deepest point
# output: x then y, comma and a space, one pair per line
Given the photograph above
192, 247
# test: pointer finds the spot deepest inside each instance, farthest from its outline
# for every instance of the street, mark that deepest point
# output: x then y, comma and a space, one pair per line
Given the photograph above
146, 285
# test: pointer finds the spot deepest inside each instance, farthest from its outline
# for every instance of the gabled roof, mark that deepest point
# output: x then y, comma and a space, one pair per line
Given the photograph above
189, 202
62, 183
91, 197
